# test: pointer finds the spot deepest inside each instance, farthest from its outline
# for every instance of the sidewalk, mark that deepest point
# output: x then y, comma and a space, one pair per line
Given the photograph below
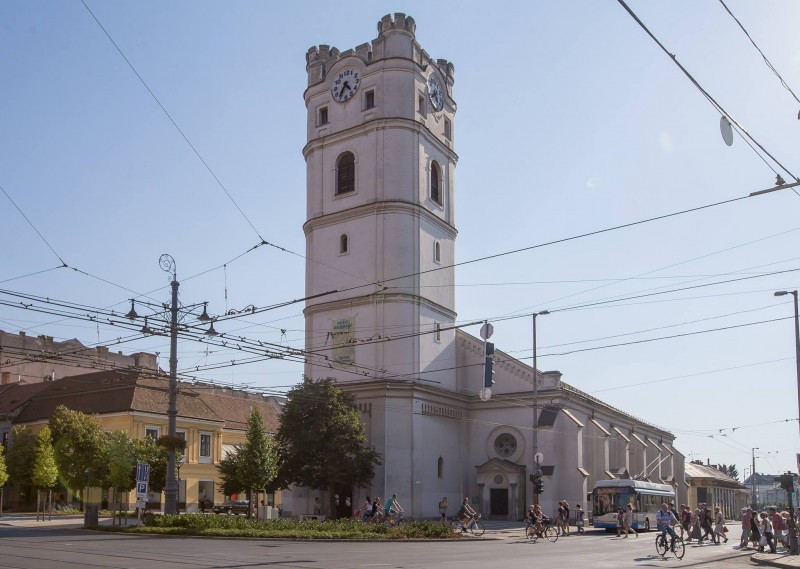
777, 560
28, 520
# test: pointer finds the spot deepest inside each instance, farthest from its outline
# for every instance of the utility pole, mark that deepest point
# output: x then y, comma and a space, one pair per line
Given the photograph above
753, 502
536, 475
171, 487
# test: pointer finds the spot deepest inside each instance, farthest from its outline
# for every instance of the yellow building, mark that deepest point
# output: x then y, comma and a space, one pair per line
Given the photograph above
211, 419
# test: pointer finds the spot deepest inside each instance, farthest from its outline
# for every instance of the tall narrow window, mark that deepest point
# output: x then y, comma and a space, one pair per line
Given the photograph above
369, 99
323, 116
345, 173
440, 467
435, 178
421, 105
448, 129
437, 252
343, 244
205, 447
437, 332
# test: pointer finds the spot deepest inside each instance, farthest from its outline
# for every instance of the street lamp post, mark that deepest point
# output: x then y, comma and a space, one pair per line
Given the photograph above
793, 545
171, 487
796, 341
534, 456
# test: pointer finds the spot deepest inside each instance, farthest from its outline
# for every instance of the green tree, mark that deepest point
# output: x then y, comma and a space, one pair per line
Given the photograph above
122, 458
21, 456
154, 453
80, 445
253, 465
45, 471
321, 441
3, 471
733, 472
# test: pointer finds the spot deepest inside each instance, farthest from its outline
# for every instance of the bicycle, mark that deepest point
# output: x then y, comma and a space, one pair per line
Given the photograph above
473, 526
541, 530
678, 548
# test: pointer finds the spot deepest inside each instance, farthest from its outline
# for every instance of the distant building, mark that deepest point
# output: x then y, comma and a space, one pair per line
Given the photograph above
708, 485
34, 359
211, 419
767, 491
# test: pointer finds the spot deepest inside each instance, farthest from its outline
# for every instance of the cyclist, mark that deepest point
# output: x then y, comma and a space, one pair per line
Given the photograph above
394, 511
465, 513
664, 520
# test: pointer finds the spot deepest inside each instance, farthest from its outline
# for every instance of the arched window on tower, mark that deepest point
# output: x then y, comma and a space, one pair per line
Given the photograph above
440, 467
344, 246
437, 252
345, 173
435, 182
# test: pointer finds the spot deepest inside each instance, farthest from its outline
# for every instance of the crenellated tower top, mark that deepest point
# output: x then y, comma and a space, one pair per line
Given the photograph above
396, 38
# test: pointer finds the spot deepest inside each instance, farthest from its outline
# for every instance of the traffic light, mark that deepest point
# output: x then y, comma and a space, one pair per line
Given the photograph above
786, 481
488, 372
538, 485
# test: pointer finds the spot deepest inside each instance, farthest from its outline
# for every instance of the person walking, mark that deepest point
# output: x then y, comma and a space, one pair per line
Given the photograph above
559, 516
755, 532
745, 528
627, 520
565, 519
719, 525
443, 510
620, 520
696, 533
705, 525
686, 521
579, 518
766, 534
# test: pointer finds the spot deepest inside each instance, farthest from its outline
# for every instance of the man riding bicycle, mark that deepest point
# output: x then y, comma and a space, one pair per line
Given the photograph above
664, 519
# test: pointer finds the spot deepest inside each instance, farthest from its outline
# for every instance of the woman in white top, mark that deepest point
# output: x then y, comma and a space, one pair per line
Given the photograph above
719, 525
766, 533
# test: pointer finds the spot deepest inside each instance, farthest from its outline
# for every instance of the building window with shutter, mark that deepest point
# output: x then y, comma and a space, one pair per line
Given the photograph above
345, 173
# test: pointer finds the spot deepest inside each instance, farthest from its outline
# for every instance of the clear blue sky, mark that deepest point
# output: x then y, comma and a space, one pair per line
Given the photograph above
570, 119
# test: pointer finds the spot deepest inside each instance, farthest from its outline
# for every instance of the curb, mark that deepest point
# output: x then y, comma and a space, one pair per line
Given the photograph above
773, 560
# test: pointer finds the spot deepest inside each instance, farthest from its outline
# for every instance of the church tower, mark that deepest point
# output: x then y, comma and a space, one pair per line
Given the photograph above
380, 236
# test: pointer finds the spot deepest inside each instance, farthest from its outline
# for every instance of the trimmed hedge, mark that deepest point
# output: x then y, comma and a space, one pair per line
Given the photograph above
239, 526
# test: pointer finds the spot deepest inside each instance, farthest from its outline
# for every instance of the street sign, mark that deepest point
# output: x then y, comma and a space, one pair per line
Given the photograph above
141, 490
486, 331
142, 472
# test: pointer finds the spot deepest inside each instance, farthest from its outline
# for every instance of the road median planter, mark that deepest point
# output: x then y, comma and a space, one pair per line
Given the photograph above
238, 526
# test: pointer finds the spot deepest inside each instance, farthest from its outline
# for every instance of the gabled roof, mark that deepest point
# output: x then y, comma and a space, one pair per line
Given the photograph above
701, 471
15, 395
118, 391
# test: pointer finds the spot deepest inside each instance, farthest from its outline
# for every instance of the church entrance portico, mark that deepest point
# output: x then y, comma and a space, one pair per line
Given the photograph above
499, 482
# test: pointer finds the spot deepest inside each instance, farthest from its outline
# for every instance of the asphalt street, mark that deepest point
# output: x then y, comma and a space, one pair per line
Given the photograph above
68, 548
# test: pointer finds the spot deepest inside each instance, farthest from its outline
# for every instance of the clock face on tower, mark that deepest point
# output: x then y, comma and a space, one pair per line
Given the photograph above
435, 93
345, 84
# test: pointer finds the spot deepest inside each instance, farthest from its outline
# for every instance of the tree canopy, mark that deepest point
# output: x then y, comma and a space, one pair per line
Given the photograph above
3, 471
45, 471
21, 455
80, 446
321, 441
122, 457
254, 464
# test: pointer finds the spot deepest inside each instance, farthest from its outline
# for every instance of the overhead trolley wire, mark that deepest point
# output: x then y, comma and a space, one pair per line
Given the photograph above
705, 93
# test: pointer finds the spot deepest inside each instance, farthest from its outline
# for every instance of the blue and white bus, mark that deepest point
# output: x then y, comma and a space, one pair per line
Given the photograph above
645, 497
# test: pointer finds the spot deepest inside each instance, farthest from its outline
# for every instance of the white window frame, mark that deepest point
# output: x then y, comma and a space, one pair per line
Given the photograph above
200, 457
152, 428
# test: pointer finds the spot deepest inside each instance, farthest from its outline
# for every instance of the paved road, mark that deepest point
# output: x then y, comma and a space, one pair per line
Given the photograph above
68, 548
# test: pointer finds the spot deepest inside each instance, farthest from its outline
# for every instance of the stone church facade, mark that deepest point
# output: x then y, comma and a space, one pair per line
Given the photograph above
380, 243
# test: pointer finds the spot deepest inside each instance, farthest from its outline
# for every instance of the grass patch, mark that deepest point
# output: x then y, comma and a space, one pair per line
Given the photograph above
238, 526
